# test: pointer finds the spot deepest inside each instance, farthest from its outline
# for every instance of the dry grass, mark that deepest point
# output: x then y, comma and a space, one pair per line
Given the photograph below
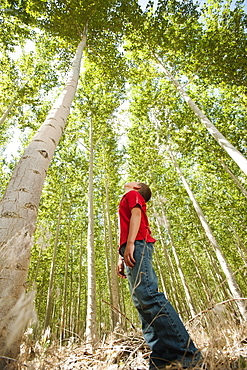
118, 351
222, 339
223, 343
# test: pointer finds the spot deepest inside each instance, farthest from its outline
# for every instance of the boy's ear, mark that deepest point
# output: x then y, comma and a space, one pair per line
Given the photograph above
137, 187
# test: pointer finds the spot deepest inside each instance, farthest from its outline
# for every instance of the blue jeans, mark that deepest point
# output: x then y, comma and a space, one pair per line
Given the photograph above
162, 328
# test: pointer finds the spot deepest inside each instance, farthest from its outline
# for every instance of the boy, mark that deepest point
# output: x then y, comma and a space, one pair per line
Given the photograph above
163, 330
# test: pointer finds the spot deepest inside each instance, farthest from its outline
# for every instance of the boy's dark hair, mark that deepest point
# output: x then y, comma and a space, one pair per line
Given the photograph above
144, 191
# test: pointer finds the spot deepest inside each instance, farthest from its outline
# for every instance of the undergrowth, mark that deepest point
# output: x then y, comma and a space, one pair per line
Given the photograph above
221, 338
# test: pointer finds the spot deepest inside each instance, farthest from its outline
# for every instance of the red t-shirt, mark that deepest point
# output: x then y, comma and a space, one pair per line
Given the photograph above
130, 200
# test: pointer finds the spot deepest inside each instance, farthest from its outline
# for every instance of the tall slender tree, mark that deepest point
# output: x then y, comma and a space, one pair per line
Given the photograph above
19, 206
91, 327
50, 293
233, 285
235, 154
113, 276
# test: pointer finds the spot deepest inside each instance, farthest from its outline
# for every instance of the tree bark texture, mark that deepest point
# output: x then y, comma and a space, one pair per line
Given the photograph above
91, 331
113, 275
19, 206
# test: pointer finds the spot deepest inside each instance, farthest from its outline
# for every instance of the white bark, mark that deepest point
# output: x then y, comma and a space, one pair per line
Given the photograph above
180, 270
113, 274
161, 275
232, 283
49, 299
4, 116
19, 206
169, 266
238, 157
64, 313
78, 305
234, 178
91, 289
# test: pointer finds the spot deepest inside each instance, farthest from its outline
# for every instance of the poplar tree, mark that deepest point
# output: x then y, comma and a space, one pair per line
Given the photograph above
19, 208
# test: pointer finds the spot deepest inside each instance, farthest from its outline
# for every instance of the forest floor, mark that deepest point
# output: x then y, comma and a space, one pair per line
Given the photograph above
224, 347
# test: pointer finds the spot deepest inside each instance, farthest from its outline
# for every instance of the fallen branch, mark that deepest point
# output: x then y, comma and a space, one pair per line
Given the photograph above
115, 309
13, 359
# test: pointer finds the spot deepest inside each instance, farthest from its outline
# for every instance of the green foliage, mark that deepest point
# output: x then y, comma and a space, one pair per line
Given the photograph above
13, 30
220, 55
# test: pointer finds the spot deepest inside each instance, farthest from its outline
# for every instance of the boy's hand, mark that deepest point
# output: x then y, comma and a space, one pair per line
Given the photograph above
120, 268
129, 255
134, 225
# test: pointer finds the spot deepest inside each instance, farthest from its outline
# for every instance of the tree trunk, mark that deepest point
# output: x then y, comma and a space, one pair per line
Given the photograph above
108, 265
235, 180
180, 270
161, 275
91, 330
113, 274
202, 278
19, 207
49, 301
4, 116
232, 283
70, 304
65, 285
239, 159
172, 274
78, 305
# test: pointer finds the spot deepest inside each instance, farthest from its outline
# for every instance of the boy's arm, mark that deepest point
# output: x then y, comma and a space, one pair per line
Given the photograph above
135, 221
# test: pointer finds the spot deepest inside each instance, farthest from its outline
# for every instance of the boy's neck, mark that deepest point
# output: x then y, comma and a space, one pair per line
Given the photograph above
131, 186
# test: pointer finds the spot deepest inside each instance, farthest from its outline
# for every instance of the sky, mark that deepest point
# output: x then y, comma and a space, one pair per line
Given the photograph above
143, 3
